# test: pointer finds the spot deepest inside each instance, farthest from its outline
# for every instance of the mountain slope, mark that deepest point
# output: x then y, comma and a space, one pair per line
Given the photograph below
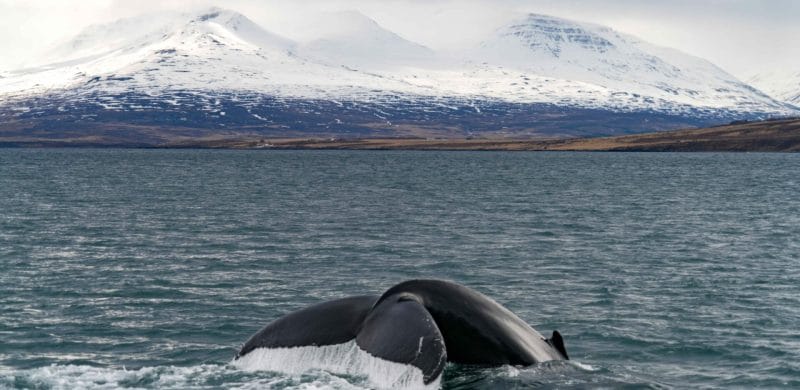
782, 85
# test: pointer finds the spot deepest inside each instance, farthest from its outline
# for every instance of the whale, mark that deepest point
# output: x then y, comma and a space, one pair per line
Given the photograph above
422, 324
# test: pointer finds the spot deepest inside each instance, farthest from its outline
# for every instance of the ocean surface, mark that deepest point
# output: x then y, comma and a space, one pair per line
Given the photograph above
149, 268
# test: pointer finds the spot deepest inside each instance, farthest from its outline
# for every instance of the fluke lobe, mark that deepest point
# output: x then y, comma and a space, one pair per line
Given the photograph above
421, 323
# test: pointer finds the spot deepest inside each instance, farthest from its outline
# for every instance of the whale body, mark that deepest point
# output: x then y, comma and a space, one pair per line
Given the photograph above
419, 323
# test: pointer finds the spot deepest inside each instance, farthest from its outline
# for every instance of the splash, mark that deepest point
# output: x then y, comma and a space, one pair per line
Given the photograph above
205, 376
583, 366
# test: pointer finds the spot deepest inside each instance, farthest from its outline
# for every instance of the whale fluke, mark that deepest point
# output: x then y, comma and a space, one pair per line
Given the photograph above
328, 323
420, 324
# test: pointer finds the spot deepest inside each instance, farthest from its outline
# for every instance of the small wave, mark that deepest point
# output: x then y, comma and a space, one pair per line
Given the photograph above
583, 366
346, 358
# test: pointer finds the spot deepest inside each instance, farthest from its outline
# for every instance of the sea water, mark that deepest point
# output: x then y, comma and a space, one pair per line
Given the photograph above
149, 268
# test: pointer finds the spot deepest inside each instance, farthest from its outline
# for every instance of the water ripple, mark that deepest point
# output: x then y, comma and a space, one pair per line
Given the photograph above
147, 269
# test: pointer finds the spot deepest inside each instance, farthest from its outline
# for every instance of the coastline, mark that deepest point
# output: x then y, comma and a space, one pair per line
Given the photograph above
765, 136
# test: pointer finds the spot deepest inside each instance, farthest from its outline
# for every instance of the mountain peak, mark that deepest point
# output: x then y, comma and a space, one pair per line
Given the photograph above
603, 58
349, 22
551, 35
228, 25
146, 29
357, 41
210, 13
219, 15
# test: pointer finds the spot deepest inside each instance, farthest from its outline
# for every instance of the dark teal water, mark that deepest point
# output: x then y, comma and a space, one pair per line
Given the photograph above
148, 268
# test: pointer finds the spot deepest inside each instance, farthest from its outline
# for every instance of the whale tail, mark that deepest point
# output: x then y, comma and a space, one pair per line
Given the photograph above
398, 330
412, 330
558, 343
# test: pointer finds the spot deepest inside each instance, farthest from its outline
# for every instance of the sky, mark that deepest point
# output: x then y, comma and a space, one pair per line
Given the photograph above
744, 37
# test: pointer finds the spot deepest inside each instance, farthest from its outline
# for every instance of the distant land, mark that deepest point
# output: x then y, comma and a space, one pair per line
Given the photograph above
764, 136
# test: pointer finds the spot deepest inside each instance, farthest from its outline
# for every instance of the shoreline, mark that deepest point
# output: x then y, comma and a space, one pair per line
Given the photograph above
766, 136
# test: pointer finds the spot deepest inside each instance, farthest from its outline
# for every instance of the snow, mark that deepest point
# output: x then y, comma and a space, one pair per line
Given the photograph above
535, 59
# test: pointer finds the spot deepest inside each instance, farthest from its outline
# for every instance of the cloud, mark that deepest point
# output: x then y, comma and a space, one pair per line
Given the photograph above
742, 36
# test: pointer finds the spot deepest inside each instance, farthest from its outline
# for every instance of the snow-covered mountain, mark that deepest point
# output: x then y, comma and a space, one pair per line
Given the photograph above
217, 49
782, 85
623, 70
219, 69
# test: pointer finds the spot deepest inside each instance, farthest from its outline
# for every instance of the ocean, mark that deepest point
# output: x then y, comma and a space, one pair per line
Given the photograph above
149, 268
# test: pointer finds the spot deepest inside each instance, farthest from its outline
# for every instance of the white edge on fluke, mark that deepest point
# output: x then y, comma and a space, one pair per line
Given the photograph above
343, 359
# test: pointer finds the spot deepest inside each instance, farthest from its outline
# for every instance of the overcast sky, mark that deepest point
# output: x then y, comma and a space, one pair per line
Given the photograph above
742, 36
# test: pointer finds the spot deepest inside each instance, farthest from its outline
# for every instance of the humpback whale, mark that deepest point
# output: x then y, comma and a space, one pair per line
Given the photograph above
422, 324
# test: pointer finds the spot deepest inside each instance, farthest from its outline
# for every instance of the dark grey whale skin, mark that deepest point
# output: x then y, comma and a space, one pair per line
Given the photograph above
424, 323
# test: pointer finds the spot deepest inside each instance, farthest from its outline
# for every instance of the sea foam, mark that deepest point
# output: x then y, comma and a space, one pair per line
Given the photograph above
205, 376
